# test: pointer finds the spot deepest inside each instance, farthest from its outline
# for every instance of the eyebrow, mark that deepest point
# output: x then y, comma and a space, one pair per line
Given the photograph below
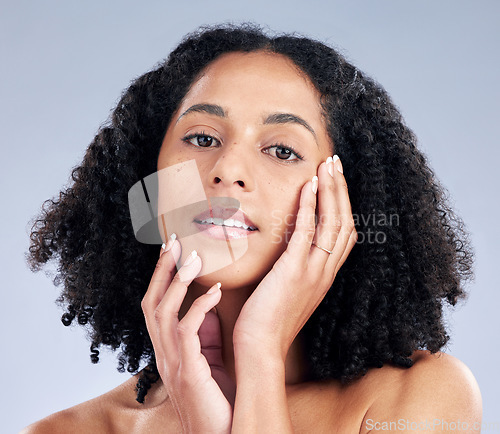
272, 119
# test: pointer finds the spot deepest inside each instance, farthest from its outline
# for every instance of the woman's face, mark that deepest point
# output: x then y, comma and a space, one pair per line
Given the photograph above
250, 130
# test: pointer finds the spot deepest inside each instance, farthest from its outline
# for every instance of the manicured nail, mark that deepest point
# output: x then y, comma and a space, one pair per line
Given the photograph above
315, 184
190, 258
339, 164
329, 166
214, 288
168, 246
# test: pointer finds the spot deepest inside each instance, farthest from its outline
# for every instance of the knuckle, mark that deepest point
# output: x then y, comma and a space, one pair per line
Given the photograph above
159, 315
160, 262
145, 305
183, 330
305, 221
330, 188
293, 272
309, 232
163, 260
337, 224
349, 226
197, 304
309, 209
343, 185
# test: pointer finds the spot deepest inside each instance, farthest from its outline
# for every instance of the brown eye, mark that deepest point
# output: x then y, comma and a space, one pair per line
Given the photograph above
200, 140
204, 141
283, 153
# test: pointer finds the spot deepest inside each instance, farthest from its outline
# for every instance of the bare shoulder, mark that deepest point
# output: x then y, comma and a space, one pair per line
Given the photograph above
96, 415
80, 418
437, 389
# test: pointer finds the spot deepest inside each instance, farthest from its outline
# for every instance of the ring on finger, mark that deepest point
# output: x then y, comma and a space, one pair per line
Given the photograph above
322, 248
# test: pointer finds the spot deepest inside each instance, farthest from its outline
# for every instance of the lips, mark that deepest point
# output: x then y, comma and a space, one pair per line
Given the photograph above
217, 212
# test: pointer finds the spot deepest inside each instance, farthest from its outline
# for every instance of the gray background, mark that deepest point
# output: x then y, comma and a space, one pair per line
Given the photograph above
64, 65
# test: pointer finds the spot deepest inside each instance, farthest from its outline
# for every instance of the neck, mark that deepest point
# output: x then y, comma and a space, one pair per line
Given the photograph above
228, 309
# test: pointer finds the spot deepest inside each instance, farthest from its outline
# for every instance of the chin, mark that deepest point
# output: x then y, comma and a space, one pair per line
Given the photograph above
237, 264
234, 276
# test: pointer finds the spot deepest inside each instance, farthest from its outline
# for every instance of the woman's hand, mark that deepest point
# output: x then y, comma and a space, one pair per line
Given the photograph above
188, 351
287, 296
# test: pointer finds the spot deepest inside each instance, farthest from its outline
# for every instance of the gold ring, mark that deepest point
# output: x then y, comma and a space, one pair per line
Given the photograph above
319, 247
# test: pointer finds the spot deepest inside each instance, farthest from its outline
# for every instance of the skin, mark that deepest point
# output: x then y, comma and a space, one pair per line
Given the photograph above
246, 87
267, 295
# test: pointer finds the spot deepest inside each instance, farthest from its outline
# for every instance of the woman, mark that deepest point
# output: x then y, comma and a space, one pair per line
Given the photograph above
339, 265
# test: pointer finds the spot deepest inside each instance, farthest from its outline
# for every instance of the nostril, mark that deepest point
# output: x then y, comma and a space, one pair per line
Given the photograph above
240, 183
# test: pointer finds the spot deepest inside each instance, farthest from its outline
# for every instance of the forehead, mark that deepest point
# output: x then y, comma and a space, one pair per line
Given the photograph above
256, 80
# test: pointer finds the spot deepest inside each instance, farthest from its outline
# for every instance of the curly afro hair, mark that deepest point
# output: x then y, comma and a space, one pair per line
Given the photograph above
412, 254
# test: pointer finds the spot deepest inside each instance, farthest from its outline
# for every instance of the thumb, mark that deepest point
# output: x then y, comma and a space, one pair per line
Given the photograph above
211, 339
211, 347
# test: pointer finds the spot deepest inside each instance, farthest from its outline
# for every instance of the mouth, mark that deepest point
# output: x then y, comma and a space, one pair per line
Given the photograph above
232, 219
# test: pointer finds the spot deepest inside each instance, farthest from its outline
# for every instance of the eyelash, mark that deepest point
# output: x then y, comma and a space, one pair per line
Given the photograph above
187, 139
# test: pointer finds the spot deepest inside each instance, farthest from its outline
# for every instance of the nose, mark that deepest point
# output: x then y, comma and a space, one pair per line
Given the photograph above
232, 169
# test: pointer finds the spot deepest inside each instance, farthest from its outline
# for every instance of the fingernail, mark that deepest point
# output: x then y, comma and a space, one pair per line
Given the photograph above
329, 166
168, 246
214, 288
190, 258
339, 164
315, 184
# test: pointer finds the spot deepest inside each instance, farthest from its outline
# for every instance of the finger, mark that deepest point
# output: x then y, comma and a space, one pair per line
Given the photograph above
353, 238
300, 242
211, 339
211, 348
168, 246
329, 221
344, 243
162, 276
166, 314
189, 341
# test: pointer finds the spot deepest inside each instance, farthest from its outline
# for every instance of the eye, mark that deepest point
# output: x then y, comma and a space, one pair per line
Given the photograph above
200, 140
283, 153
279, 150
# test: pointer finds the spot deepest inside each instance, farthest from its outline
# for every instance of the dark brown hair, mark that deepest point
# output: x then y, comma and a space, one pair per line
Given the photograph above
387, 298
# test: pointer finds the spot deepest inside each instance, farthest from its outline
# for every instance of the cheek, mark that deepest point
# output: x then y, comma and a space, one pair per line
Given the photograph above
284, 215
169, 157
